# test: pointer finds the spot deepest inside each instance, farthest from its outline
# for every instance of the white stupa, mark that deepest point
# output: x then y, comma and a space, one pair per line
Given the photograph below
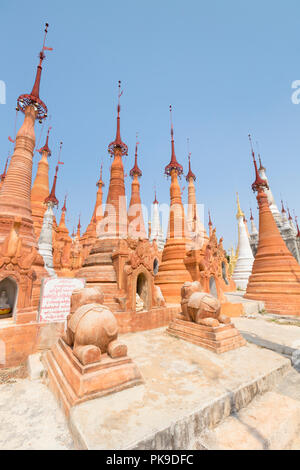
45, 242
243, 266
156, 229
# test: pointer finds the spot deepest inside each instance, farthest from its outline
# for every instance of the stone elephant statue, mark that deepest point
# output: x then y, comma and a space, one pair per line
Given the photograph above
92, 329
200, 307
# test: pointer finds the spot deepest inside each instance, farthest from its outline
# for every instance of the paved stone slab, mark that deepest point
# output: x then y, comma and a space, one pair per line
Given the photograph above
30, 418
187, 389
270, 422
265, 332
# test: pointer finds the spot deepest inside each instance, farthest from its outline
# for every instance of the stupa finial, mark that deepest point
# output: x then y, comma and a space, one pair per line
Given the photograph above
46, 146
34, 99
135, 170
209, 219
52, 198
100, 181
155, 199
259, 183
190, 173
64, 207
173, 165
117, 143
240, 213
282, 207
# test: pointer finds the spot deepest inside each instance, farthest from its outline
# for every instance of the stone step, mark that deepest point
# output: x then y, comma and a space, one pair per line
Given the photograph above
270, 422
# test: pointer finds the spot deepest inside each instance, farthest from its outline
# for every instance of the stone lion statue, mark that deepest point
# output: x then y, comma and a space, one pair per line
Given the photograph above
201, 307
92, 329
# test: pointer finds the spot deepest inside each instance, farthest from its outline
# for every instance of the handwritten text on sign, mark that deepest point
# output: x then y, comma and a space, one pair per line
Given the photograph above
55, 298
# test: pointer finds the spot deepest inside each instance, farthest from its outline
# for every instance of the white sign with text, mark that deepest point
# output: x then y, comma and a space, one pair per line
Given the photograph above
55, 298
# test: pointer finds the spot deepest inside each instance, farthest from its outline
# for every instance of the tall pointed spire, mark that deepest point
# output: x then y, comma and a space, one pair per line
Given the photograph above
172, 270
190, 174
135, 169
195, 226
240, 213
34, 98
173, 165
15, 194
115, 216
78, 228
46, 148
52, 198
118, 141
93, 229
136, 227
259, 182
40, 187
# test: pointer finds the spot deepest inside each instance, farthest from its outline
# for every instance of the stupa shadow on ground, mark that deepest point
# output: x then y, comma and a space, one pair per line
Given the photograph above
187, 389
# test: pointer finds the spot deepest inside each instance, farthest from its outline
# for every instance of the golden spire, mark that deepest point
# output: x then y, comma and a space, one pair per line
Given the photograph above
240, 213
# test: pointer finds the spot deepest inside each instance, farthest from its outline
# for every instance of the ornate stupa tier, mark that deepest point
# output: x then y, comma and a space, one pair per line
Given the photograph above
195, 226
40, 187
244, 262
136, 225
115, 216
275, 272
15, 196
93, 230
172, 270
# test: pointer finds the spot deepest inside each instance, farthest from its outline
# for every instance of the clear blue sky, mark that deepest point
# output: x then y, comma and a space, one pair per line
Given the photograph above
225, 66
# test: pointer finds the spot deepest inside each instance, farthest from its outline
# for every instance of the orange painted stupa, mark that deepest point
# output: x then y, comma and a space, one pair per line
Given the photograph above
136, 226
195, 226
275, 277
40, 187
2, 177
62, 246
98, 267
21, 265
172, 271
90, 236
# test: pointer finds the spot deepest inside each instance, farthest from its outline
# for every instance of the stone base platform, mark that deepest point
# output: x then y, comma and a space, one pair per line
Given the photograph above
187, 390
73, 383
217, 339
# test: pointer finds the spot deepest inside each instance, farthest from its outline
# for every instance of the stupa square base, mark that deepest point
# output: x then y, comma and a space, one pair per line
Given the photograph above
217, 339
73, 383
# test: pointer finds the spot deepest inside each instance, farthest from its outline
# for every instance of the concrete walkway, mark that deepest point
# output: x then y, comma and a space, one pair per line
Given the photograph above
187, 389
267, 331
30, 418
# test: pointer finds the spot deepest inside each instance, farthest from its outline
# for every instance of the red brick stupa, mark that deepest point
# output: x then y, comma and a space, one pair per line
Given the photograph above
275, 277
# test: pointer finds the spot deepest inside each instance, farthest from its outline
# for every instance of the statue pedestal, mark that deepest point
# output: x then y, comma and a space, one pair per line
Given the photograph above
217, 339
73, 383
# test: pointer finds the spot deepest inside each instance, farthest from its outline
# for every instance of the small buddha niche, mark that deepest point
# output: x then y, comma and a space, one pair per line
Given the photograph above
142, 293
8, 297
